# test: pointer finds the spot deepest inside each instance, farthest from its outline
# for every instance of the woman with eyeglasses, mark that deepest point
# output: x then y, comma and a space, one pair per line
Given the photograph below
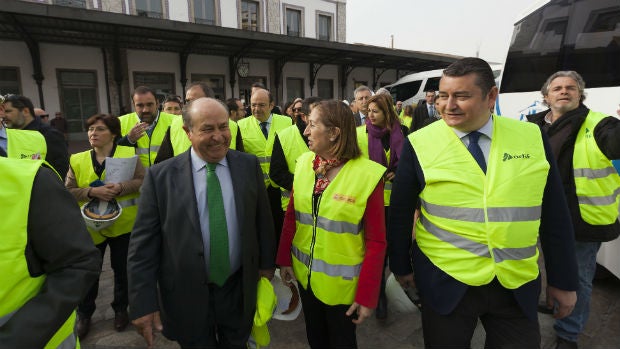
381, 140
173, 105
86, 180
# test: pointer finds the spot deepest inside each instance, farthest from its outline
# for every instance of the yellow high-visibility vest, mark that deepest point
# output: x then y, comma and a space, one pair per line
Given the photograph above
293, 146
473, 226
147, 147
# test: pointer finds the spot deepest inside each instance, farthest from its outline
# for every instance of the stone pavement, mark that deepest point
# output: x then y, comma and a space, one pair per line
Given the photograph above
400, 330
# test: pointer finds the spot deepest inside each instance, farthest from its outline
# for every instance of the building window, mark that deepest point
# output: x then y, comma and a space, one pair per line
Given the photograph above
161, 83
9, 81
204, 11
216, 82
149, 8
250, 16
326, 88
294, 88
293, 22
72, 3
324, 27
78, 97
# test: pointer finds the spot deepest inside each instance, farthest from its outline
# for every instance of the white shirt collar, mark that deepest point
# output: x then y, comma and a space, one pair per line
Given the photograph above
198, 163
486, 129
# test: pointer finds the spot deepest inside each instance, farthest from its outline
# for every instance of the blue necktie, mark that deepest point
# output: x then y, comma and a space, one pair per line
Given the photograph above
219, 262
476, 151
263, 127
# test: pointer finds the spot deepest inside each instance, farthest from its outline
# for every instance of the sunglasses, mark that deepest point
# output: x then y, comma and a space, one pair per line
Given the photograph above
296, 110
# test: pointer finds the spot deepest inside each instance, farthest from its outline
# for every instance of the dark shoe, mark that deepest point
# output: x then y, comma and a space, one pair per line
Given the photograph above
121, 320
561, 343
83, 326
381, 313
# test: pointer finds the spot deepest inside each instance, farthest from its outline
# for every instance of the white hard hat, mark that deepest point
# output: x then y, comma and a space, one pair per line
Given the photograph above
287, 294
100, 214
398, 298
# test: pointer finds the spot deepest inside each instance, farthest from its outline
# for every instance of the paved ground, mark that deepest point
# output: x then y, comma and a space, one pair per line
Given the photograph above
400, 330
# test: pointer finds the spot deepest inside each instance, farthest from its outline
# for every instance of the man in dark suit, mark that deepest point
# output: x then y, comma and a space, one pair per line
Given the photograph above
202, 302
425, 113
362, 94
482, 212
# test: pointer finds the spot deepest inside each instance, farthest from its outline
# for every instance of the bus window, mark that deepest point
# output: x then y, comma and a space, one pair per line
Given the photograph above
405, 91
432, 84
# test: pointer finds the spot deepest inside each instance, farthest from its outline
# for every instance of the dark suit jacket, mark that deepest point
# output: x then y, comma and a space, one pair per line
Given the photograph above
421, 117
57, 153
166, 248
358, 119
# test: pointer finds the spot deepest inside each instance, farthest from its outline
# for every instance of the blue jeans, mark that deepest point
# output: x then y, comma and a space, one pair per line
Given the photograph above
571, 326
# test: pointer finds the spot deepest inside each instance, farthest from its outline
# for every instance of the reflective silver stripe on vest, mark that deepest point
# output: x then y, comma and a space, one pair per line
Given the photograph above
264, 159
68, 343
387, 186
495, 214
144, 151
4, 319
339, 227
476, 248
594, 174
513, 253
265, 176
335, 270
285, 193
599, 200
128, 202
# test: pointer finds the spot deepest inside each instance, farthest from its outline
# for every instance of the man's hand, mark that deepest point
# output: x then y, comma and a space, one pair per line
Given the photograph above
286, 274
137, 131
405, 281
147, 325
268, 273
362, 313
565, 301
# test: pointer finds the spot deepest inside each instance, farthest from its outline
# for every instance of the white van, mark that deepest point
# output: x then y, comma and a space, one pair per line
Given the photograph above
410, 89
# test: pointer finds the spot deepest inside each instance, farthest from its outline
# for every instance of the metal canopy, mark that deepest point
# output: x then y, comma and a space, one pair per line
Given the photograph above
41, 23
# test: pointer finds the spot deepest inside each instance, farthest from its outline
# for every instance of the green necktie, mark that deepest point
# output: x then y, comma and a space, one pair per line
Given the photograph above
219, 263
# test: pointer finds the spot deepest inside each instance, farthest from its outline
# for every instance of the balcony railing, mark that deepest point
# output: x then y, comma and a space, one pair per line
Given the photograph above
72, 3
150, 14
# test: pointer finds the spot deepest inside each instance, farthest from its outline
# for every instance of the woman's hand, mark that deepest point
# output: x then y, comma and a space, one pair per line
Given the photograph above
390, 176
362, 312
106, 192
286, 274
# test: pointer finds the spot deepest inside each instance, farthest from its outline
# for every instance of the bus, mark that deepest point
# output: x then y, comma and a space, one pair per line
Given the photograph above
579, 35
411, 88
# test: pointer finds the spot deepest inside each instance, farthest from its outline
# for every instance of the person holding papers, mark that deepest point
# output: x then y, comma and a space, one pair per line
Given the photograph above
87, 181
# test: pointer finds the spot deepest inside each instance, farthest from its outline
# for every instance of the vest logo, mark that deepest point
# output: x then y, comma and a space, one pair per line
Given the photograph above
588, 133
515, 156
345, 198
35, 156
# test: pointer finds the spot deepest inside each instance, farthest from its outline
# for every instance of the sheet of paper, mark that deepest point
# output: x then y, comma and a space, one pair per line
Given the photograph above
119, 170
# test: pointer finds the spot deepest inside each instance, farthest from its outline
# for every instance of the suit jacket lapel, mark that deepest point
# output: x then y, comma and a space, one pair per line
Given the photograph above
237, 171
186, 192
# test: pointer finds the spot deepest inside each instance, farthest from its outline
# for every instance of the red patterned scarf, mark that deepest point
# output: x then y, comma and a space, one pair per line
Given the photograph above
320, 167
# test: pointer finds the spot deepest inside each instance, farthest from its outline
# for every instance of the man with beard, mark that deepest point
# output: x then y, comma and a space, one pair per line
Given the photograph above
288, 145
145, 128
583, 142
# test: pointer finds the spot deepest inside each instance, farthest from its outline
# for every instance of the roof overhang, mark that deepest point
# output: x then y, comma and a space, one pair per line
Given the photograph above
42, 23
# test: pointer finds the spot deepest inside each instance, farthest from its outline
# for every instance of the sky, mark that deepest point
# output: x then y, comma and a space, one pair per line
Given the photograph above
457, 27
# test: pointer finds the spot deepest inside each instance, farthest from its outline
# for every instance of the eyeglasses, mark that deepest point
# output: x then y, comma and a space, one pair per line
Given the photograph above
296, 110
98, 129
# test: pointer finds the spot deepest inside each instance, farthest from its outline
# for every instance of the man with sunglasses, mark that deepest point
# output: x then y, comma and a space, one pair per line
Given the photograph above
19, 114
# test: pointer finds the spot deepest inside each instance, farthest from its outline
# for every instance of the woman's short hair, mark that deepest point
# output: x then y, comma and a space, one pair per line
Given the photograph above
384, 103
111, 122
334, 113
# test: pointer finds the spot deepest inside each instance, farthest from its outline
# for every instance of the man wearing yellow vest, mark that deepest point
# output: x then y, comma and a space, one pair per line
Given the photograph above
48, 261
583, 142
176, 141
258, 132
489, 189
289, 144
145, 128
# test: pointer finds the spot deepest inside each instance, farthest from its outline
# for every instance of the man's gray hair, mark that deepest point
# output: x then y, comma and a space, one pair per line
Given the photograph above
360, 89
581, 84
